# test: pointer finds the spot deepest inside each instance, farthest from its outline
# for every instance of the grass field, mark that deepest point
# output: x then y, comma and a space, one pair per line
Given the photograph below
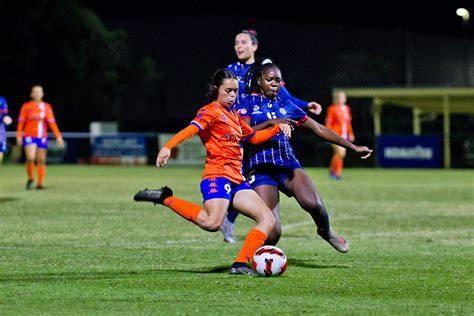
82, 246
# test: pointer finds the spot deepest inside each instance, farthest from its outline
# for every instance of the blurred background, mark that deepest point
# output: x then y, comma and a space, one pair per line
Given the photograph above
143, 68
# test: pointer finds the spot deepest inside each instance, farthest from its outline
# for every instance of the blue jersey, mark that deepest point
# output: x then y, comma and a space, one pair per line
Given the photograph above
3, 113
277, 151
241, 70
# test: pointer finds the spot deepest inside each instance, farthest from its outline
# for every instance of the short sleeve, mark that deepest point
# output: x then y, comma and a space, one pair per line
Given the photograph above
49, 114
204, 118
243, 107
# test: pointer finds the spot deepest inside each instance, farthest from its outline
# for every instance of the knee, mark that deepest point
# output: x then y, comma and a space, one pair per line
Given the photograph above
212, 225
40, 161
312, 205
270, 220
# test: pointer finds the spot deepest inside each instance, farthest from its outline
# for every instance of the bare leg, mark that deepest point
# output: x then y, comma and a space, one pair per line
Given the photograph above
305, 192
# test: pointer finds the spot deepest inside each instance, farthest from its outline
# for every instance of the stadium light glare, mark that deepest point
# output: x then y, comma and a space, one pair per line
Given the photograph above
463, 13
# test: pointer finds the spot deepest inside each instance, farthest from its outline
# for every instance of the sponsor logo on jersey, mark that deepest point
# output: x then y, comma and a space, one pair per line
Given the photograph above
283, 111
243, 111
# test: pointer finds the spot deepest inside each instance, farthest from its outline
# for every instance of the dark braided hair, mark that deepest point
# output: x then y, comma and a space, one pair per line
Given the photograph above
216, 81
255, 72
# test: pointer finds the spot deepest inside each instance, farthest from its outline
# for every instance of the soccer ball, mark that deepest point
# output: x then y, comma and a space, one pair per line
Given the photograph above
269, 261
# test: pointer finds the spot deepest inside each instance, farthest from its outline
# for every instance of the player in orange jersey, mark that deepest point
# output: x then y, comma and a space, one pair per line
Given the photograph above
339, 119
32, 132
221, 129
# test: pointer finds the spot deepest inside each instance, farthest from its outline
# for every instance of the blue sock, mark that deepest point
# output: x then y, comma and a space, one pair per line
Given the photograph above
232, 215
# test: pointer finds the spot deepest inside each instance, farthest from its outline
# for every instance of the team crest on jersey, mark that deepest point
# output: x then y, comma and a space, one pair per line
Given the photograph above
283, 111
224, 118
243, 111
256, 110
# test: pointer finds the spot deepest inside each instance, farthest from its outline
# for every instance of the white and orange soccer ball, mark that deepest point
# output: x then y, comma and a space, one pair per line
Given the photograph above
269, 261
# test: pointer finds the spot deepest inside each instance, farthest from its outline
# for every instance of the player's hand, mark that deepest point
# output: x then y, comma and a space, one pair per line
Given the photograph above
352, 138
282, 120
163, 156
363, 151
19, 141
7, 120
60, 141
286, 129
315, 108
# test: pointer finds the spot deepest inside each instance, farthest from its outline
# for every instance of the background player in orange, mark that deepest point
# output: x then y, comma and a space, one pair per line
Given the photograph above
339, 119
32, 132
221, 129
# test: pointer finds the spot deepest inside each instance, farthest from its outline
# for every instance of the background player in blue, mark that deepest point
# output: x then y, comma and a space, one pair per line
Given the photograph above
4, 121
272, 166
245, 46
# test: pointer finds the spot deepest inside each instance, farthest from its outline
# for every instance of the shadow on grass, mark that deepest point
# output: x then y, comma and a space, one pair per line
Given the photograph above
308, 263
98, 275
7, 199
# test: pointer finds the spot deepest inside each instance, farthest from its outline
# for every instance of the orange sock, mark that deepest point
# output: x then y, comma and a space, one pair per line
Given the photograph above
188, 210
339, 166
30, 168
41, 173
255, 239
333, 166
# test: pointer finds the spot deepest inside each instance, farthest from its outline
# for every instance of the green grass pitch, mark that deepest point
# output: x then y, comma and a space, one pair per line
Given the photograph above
82, 246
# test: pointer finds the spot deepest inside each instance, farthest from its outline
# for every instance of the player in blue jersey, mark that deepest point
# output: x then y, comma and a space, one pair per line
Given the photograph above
272, 166
245, 46
4, 121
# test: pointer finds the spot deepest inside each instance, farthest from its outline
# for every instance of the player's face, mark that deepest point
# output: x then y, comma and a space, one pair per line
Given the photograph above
228, 91
340, 98
37, 93
244, 48
270, 82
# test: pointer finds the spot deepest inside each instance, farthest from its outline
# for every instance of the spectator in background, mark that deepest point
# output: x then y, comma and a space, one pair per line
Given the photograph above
32, 132
339, 119
4, 121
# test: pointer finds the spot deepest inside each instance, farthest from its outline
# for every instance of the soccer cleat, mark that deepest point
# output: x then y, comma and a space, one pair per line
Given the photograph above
154, 196
242, 271
334, 176
227, 229
39, 187
29, 184
338, 242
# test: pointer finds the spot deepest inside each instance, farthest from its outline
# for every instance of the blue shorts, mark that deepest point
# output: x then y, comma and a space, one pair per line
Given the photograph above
39, 142
267, 174
220, 187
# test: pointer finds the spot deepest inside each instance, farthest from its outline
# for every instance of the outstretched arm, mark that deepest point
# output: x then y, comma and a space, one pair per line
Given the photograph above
311, 106
328, 135
177, 139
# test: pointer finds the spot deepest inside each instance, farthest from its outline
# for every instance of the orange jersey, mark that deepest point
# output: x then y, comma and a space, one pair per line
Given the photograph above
221, 131
339, 119
34, 120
